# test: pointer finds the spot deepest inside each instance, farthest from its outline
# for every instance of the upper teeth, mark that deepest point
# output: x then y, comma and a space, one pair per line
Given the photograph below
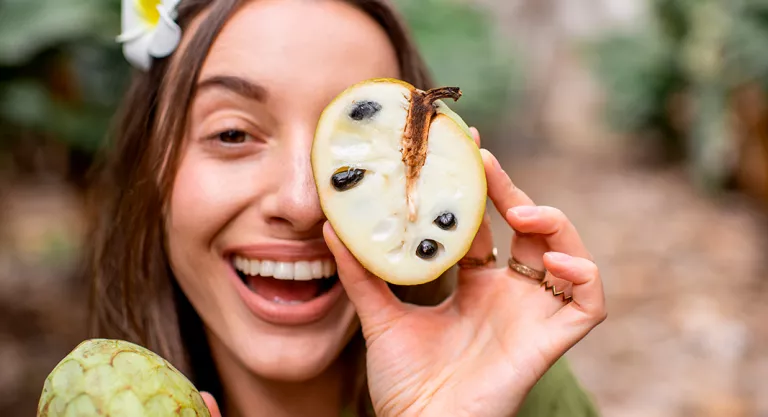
300, 270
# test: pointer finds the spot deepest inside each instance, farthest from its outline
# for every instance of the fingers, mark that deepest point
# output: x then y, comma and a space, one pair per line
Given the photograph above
482, 245
481, 250
501, 190
475, 135
210, 402
587, 309
552, 225
369, 294
481, 253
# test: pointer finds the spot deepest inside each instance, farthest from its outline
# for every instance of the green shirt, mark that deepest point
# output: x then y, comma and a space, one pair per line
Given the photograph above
557, 394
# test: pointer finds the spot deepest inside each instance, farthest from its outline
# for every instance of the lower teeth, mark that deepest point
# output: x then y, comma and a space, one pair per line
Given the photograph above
279, 300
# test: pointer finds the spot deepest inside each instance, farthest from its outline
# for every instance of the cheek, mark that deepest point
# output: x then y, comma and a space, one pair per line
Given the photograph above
204, 200
206, 196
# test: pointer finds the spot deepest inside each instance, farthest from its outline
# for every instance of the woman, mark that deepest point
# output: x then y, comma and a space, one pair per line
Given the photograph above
210, 172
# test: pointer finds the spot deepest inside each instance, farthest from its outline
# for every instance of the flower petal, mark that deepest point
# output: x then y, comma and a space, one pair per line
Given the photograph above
132, 35
170, 6
135, 51
166, 36
131, 20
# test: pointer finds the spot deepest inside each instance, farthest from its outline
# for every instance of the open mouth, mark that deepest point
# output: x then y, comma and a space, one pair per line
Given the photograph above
287, 283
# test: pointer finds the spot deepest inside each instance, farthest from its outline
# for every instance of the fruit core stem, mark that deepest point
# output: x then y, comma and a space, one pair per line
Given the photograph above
416, 135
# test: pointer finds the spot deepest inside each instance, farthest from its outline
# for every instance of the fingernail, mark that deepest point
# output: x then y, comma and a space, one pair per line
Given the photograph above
524, 211
558, 257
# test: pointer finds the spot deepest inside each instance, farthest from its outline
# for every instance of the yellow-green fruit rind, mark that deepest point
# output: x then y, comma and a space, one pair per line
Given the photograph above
115, 378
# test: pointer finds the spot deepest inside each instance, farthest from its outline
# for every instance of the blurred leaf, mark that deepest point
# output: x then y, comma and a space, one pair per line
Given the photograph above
461, 47
672, 18
745, 50
67, 46
639, 73
28, 27
25, 102
100, 76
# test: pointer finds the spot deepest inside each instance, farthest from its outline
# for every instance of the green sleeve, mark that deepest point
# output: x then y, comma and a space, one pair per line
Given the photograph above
558, 394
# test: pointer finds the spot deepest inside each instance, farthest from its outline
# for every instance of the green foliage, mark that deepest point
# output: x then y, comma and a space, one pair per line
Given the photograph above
747, 46
28, 27
462, 48
61, 71
639, 72
702, 48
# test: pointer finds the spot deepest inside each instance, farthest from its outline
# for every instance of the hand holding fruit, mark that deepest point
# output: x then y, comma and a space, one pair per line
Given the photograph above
482, 350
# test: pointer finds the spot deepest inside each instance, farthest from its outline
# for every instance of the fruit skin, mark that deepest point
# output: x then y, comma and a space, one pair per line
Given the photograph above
115, 378
429, 272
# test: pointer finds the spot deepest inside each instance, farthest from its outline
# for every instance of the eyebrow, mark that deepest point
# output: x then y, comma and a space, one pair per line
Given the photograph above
237, 85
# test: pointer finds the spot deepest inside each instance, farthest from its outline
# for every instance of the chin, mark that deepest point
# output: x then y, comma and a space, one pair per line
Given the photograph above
294, 366
295, 353
291, 329
297, 361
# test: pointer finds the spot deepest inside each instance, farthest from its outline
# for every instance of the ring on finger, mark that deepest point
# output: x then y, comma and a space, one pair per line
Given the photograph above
526, 270
555, 292
474, 263
529, 272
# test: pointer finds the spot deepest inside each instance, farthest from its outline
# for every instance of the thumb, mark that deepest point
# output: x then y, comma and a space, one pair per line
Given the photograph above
210, 402
370, 295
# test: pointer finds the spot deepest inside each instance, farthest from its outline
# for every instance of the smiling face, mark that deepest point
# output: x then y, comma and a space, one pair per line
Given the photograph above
244, 223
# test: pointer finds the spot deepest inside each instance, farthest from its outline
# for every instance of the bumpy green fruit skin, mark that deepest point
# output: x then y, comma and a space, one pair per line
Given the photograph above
115, 378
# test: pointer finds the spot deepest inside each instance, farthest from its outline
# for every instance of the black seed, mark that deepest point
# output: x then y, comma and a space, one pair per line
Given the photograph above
427, 249
364, 110
446, 221
346, 178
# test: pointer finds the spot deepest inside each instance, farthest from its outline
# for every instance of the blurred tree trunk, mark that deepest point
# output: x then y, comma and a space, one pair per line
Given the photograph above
749, 111
545, 31
541, 19
710, 145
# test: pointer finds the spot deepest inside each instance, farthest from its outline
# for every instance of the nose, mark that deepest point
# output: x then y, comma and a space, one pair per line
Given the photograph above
294, 207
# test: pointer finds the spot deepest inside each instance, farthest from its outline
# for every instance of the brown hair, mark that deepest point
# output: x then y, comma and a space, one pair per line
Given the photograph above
134, 295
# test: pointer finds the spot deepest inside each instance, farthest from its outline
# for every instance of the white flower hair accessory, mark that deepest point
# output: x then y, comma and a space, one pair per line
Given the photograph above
149, 30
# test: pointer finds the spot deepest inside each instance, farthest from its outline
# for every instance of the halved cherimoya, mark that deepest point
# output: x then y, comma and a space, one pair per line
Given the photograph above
399, 178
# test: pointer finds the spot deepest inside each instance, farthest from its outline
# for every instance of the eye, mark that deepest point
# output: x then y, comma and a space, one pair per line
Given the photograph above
232, 136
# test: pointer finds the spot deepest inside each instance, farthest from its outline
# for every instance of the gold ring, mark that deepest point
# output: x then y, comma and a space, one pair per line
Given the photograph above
547, 286
472, 263
526, 270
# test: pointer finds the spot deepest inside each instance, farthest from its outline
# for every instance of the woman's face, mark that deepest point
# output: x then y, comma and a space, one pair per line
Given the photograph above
245, 225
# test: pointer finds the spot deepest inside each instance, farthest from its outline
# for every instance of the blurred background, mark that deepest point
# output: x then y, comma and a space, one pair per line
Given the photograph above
646, 121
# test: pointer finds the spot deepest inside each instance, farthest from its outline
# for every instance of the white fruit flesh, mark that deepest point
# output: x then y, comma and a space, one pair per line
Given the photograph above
373, 218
